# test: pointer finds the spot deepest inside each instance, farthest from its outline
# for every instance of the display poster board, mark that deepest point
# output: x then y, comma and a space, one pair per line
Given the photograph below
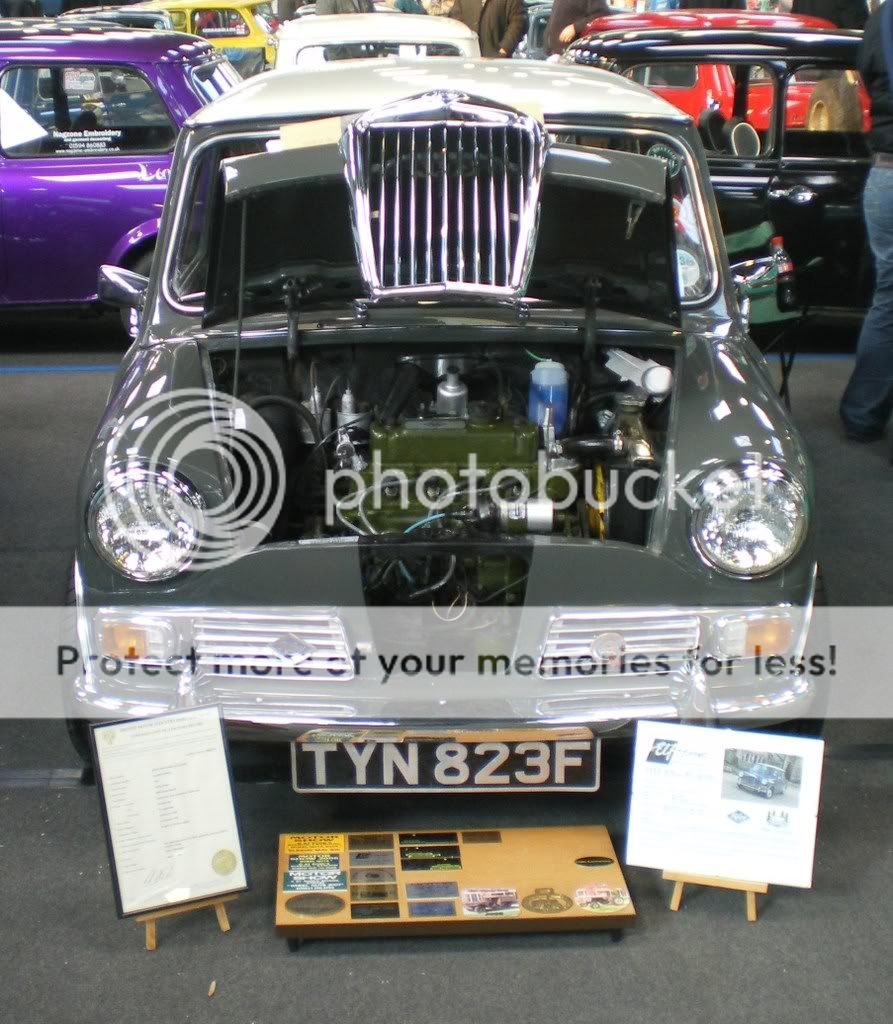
450, 881
170, 817
725, 803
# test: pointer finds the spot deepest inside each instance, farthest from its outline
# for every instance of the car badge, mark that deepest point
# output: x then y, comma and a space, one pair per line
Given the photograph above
608, 648
293, 649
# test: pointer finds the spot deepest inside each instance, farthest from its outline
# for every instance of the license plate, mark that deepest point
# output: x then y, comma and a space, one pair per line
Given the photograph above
442, 764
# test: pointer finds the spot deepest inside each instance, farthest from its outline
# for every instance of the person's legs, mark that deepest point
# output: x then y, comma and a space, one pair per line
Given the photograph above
868, 399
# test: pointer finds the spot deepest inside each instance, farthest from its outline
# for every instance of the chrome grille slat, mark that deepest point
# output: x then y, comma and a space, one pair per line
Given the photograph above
381, 203
429, 234
506, 229
460, 207
472, 223
492, 239
444, 208
476, 206
397, 217
630, 647
412, 209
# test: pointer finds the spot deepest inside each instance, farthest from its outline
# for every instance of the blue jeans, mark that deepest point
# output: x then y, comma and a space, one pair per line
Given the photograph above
868, 399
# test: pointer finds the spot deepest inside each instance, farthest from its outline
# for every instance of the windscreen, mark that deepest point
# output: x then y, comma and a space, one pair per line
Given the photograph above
590, 243
587, 240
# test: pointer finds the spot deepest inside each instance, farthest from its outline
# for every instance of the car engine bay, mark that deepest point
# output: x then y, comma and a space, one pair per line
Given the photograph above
445, 465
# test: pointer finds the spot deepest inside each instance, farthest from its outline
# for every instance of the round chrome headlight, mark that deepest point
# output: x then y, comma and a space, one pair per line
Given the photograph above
146, 522
750, 518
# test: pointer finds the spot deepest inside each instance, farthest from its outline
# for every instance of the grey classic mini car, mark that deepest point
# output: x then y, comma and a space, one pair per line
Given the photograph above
442, 357
766, 779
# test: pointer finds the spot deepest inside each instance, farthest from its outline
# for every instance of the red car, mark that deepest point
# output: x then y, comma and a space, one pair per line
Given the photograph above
695, 88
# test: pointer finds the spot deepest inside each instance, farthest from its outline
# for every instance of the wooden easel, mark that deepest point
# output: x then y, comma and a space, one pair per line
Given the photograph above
217, 902
750, 889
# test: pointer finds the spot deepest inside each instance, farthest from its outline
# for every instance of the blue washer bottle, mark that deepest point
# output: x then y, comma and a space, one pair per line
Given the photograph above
548, 386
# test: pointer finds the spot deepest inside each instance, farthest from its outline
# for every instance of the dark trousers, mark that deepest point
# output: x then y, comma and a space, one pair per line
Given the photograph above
868, 399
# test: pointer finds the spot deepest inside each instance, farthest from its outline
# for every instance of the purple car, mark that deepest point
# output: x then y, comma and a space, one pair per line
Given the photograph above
88, 122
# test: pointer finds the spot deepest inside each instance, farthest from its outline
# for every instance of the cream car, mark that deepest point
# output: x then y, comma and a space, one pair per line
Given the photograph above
313, 42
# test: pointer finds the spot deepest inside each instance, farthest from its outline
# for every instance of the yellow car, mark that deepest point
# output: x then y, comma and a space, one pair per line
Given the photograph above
245, 31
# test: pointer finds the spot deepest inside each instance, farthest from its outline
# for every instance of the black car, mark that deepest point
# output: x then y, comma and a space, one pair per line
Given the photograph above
804, 171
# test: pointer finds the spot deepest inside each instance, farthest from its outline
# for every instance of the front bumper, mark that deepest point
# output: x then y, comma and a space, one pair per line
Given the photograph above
277, 673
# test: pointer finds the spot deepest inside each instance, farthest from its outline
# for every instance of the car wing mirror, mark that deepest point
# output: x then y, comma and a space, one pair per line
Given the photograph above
122, 288
754, 278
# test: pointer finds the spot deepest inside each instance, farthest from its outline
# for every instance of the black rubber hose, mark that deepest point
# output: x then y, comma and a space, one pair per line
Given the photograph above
586, 397
496, 369
405, 382
432, 587
591, 447
595, 395
303, 413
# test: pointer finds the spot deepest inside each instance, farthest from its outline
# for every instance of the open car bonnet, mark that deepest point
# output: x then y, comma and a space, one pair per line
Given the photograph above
441, 197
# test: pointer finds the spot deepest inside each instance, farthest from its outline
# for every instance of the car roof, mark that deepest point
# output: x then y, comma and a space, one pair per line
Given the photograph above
97, 9
95, 41
694, 19
702, 44
197, 5
350, 87
370, 28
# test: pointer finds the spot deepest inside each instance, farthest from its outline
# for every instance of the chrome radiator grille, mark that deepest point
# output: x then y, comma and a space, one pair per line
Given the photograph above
606, 645
446, 203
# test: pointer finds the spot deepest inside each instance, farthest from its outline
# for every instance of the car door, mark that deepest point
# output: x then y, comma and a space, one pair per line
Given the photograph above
800, 162
717, 97
815, 197
84, 160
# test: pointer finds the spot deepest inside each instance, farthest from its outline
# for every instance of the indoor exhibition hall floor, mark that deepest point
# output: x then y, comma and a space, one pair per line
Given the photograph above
814, 956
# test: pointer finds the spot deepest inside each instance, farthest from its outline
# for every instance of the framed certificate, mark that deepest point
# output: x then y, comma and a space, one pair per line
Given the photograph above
170, 818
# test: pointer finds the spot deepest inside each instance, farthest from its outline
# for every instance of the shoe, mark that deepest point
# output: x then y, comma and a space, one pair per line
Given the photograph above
861, 438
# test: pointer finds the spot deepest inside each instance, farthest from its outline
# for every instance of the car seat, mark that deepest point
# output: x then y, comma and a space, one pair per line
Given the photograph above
86, 121
710, 125
740, 138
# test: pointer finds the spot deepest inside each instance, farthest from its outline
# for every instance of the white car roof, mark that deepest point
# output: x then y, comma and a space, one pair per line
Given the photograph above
350, 87
373, 28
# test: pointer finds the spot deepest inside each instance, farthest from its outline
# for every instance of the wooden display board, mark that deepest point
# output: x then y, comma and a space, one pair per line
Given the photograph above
438, 882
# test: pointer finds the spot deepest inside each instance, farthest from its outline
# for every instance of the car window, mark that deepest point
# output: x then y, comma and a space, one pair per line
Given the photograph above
78, 110
219, 24
536, 33
179, 21
733, 105
311, 56
191, 265
265, 18
213, 79
827, 114
666, 76
694, 266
